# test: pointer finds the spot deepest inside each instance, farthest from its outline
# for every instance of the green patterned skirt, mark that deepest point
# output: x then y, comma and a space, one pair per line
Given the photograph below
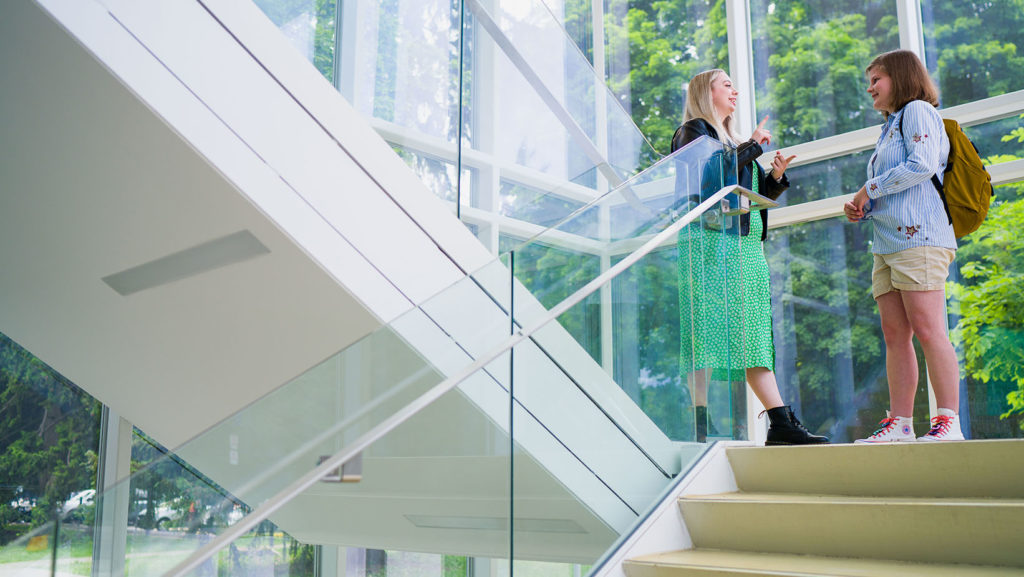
724, 301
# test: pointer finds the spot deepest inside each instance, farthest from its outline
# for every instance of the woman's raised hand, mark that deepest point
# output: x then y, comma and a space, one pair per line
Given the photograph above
761, 135
779, 164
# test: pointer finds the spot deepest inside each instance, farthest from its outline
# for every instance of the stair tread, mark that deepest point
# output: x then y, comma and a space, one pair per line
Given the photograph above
765, 497
800, 565
981, 469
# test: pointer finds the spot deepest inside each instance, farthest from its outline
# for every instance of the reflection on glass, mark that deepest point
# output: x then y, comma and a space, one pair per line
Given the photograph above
809, 61
437, 174
539, 207
404, 63
972, 49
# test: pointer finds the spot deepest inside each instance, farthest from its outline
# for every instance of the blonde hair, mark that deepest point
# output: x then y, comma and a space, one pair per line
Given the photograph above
699, 105
909, 77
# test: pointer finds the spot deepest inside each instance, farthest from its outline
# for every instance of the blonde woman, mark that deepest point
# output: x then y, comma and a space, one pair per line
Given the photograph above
729, 264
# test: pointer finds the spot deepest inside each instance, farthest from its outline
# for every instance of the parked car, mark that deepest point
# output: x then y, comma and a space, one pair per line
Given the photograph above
76, 500
162, 520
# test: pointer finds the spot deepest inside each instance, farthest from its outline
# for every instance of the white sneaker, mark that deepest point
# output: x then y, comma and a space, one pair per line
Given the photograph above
892, 430
945, 427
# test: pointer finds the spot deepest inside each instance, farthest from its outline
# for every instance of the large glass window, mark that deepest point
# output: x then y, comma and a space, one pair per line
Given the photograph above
406, 63
652, 49
986, 293
974, 49
809, 60
49, 441
310, 25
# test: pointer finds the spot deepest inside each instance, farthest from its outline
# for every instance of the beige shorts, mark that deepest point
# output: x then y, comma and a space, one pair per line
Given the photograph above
922, 268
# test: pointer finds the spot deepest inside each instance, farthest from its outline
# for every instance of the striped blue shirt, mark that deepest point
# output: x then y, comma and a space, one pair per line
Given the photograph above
905, 209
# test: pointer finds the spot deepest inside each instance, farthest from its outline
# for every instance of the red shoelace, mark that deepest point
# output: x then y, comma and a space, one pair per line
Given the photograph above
940, 425
884, 425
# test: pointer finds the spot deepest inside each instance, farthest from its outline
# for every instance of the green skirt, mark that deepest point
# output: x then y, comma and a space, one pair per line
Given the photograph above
725, 315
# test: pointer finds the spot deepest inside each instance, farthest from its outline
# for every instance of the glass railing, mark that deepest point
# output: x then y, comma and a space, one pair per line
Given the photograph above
571, 425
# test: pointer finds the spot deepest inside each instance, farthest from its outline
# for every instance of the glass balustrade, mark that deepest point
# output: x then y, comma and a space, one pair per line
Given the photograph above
179, 501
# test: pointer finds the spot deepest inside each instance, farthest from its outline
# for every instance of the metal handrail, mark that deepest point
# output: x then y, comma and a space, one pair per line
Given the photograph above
282, 497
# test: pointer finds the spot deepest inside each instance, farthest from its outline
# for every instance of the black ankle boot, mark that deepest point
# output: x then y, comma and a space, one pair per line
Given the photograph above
786, 429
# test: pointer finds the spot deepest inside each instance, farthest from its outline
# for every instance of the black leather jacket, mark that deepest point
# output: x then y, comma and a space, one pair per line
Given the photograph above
746, 155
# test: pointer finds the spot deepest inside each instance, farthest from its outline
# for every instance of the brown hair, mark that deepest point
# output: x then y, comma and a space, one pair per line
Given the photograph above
699, 105
910, 80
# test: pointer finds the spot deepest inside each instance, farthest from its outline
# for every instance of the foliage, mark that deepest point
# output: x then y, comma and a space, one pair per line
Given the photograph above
47, 436
653, 48
977, 48
991, 298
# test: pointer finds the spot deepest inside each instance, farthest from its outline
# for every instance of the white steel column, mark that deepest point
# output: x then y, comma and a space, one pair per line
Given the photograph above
110, 531
346, 44
908, 13
483, 110
603, 213
741, 63
912, 38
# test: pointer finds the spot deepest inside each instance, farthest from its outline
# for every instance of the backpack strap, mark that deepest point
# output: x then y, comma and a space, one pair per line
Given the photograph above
935, 177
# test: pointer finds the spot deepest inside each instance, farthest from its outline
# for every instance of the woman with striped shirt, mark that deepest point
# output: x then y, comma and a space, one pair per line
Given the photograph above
913, 244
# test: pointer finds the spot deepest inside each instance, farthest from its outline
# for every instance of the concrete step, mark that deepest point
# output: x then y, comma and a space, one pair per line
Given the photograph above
971, 469
971, 531
718, 563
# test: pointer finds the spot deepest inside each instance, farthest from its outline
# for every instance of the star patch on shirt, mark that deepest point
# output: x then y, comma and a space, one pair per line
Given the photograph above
911, 230
918, 137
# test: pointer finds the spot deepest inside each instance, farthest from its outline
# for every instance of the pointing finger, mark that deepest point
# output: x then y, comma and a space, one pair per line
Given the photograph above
761, 125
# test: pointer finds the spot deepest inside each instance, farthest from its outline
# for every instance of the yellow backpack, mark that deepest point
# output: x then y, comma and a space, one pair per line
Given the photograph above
966, 189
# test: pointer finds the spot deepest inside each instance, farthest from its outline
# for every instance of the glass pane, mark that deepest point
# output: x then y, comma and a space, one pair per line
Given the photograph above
830, 353
986, 293
826, 179
973, 49
406, 63
631, 329
809, 60
439, 174
49, 440
999, 141
175, 503
552, 113
310, 25
439, 482
544, 207
616, 449
652, 49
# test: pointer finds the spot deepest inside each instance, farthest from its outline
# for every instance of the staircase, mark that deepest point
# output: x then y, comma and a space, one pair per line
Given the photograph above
852, 510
